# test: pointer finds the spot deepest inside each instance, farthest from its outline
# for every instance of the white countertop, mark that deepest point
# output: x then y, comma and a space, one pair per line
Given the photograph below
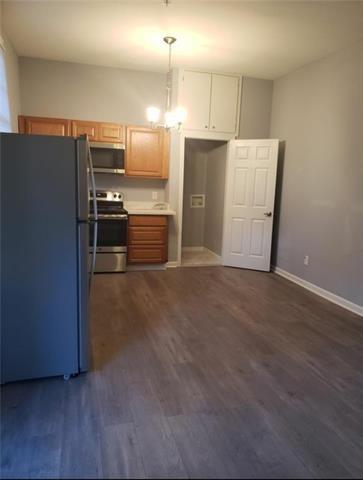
148, 208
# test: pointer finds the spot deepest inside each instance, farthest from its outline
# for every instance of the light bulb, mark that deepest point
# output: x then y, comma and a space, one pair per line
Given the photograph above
170, 119
153, 114
180, 114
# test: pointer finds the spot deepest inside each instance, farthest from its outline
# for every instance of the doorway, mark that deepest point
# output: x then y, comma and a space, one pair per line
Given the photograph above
203, 202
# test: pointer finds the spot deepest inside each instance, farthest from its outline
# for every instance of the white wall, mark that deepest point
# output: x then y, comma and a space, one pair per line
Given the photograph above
318, 112
134, 189
255, 111
86, 92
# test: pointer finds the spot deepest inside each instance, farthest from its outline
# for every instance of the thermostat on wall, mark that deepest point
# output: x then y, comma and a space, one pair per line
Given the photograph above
197, 201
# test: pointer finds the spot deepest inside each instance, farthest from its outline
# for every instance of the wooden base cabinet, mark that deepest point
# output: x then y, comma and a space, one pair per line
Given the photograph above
147, 239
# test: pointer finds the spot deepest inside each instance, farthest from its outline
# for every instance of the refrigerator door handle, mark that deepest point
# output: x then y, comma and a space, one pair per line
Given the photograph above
95, 215
94, 249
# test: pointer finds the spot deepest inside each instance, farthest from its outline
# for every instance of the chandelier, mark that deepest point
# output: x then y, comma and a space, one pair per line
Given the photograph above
172, 118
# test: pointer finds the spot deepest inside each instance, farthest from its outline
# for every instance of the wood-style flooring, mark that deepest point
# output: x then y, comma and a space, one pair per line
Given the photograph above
198, 373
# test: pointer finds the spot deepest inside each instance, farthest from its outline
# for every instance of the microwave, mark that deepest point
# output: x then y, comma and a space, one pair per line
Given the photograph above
108, 157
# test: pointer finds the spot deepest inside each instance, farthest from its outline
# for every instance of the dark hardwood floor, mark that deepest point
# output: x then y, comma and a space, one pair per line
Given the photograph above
200, 372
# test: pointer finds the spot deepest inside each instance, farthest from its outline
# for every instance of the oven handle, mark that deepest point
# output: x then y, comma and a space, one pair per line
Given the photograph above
106, 216
95, 216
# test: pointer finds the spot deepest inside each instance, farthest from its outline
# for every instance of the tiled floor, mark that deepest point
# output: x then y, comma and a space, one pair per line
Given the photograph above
200, 258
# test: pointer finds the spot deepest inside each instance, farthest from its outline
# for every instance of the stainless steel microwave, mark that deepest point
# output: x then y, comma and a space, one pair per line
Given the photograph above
108, 157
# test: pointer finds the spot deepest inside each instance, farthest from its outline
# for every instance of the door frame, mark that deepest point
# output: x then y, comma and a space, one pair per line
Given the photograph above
193, 134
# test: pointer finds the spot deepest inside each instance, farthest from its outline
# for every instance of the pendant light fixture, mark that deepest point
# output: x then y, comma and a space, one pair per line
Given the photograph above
172, 118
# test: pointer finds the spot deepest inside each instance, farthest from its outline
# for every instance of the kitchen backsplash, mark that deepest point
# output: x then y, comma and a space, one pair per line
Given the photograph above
134, 189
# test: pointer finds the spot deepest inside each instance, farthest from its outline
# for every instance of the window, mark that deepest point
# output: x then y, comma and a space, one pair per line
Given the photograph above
5, 125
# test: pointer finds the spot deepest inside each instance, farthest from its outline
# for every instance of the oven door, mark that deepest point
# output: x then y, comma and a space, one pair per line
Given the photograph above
112, 233
108, 158
111, 243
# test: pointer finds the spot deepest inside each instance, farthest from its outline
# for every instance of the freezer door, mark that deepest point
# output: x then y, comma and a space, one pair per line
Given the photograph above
39, 271
83, 295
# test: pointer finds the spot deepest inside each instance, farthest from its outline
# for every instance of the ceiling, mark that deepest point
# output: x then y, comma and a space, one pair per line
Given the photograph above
260, 39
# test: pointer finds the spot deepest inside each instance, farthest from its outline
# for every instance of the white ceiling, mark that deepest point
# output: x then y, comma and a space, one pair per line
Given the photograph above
260, 39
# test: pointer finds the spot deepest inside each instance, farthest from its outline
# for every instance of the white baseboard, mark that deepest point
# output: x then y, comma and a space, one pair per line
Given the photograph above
173, 264
146, 266
193, 249
342, 302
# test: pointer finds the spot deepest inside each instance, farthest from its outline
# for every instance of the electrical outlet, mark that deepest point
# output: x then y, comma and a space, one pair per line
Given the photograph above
306, 260
154, 195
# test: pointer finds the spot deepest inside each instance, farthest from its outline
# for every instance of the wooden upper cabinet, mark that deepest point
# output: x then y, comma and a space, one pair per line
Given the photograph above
111, 132
44, 126
82, 127
147, 152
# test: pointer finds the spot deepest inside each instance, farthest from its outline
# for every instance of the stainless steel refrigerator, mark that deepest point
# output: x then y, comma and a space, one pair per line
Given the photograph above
44, 256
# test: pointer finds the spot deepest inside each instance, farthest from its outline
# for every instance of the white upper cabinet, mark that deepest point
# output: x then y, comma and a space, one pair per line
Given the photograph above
224, 106
211, 101
196, 99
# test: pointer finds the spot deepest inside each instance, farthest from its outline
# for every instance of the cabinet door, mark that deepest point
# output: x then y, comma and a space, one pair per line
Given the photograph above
80, 127
147, 254
147, 235
44, 126
224, 103
195, 98
147, 152
111, 132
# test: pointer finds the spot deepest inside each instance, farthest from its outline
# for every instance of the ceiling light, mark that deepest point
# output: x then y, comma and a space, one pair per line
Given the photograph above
172, 118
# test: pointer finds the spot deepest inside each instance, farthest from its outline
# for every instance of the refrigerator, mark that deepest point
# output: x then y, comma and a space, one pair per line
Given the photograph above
45, 276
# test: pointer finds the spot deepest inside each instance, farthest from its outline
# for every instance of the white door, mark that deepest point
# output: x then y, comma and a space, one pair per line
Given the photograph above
249, 203
195, 98
224, 103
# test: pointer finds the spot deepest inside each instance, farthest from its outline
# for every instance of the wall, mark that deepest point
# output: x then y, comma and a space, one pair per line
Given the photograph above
215, 186
10, 90
134, 189
318, 112
255, 111
71, 90
195, 176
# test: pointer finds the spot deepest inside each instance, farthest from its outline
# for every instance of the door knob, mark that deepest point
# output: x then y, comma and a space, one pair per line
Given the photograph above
268, 214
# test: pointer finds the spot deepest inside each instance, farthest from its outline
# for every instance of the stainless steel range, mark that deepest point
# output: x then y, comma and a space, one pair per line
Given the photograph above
111, 250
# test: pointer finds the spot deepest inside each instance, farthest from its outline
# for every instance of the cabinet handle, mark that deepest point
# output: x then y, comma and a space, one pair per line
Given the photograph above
206, 126
213, 126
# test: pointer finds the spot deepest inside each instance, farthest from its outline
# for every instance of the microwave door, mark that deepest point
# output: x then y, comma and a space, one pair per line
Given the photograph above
107, 159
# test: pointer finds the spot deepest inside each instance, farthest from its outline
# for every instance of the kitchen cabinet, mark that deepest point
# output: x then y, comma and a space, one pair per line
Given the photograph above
147, 239
211, 101
44, 126
196, 99
96, 131
82, 127
147, 152
111, 132
224, 103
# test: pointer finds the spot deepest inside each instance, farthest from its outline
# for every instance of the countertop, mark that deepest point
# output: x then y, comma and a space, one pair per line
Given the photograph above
148, 208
